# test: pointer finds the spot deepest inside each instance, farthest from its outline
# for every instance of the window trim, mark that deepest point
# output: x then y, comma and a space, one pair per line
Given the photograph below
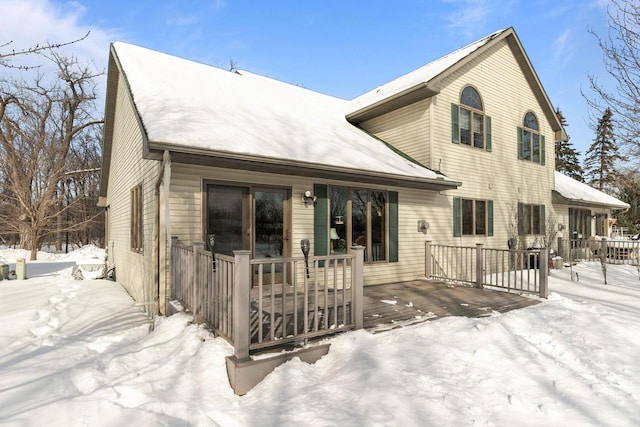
459, 215
387, 251
486, 121
473, 112
523, 131
137, 219
528, 228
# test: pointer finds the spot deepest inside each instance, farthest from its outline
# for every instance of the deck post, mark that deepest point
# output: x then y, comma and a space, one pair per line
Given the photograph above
543, 265
479, 263
196, 304
357, 276
241, 304
427, 259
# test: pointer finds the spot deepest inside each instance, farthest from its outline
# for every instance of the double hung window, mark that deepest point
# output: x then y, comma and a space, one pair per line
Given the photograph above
531, 143
531, 219
470, 125
472, 217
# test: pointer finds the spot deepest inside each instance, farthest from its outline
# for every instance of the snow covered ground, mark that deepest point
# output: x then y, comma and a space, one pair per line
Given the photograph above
80, 353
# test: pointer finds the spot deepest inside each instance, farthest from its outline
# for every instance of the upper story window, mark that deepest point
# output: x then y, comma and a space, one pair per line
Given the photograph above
531, 144
469, 124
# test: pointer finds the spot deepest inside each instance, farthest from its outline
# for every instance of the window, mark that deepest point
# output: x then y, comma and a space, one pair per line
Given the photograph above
136, 219
472, 217
579, 223
531, 144
470, 126
358, 217
531, 219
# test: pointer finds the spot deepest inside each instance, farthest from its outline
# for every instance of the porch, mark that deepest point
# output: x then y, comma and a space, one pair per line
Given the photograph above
394, 305
286, 303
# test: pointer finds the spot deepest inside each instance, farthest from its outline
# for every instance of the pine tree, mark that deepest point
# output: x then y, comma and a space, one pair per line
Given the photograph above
599, 162
629, 192
566, 156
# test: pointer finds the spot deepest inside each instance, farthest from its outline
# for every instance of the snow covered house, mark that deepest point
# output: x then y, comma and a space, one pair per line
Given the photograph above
449, 153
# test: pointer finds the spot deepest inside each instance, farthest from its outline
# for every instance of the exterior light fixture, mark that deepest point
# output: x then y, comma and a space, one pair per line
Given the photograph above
308, 197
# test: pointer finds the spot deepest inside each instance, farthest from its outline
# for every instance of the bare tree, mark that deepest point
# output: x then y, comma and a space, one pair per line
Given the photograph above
621, 50
40, 124
6, 55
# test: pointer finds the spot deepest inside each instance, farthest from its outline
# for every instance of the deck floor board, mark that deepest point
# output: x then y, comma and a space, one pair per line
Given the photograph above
394, 304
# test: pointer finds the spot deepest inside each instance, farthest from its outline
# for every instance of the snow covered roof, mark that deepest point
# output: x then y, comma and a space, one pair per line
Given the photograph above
188, 105
578, 192
420, 76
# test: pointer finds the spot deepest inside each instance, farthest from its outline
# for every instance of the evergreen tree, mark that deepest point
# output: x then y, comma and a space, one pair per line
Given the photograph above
599, 162
566, 156
629, 192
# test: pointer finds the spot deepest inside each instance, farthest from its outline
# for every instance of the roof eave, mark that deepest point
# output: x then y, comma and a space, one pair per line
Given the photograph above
398, 100
191, 155
586, 203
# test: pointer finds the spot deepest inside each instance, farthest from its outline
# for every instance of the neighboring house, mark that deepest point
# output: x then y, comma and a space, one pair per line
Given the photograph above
582, 211
459, 152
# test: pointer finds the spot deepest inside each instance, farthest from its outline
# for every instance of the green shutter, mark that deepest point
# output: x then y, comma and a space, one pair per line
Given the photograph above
455, 124
457, 217
521, 219
321, 221
543, 220
490, 217
520, 143
487, 133
572, 223
393, 226
542, 150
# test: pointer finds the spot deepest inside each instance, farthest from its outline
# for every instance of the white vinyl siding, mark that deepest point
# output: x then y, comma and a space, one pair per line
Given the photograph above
413, 205
406, 128
129, 169
497, 175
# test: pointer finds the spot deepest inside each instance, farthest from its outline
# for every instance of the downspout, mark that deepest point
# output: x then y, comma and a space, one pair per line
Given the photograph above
164, 177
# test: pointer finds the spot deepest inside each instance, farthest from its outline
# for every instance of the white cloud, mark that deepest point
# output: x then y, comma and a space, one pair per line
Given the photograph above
27, 23
468, 16
560, 43
474, 18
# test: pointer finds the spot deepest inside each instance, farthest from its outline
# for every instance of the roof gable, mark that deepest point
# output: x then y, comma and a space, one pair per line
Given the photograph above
425, 81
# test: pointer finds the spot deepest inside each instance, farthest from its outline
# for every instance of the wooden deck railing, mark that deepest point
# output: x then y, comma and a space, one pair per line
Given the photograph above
609, 251
261, 303
517, 270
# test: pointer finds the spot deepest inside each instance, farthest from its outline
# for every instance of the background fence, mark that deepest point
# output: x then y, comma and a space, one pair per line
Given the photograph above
611, 251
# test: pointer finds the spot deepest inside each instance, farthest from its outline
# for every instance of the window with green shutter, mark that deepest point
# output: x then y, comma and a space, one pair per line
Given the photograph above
455, 124
469, 125
457, 217
472, 217
531, 143
487, 133
321, 221
359, 216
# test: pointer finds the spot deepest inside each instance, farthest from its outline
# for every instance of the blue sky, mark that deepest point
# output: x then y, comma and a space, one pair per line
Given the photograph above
342, 48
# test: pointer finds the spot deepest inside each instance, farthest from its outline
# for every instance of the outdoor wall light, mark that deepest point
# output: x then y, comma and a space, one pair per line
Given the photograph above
308, 197
423, 226
560, 227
